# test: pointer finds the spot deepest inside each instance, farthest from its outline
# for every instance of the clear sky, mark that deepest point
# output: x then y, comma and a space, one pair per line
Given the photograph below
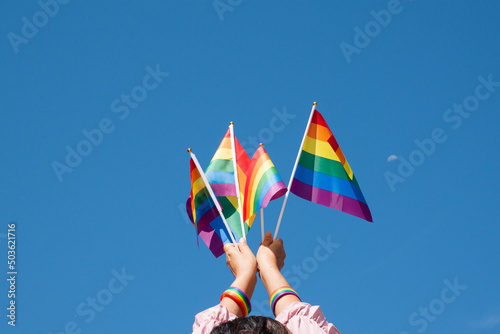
411, 90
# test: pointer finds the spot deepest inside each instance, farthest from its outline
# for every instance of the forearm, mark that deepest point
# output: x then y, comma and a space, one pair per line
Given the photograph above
247, 285
273, 279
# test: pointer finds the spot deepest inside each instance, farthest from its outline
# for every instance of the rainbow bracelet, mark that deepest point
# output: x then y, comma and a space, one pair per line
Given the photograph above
280, 292
240, 298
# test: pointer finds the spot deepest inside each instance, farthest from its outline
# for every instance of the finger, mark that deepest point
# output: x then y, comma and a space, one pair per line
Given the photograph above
229, 247
277, 245
268, 239
244, 249
278, 242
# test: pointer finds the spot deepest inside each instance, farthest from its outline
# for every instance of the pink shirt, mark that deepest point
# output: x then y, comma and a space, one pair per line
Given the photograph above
297, 317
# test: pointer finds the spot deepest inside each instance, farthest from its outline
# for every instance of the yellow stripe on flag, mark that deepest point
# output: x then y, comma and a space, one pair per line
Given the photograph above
223, 154
262, 169
198, 185
320, 148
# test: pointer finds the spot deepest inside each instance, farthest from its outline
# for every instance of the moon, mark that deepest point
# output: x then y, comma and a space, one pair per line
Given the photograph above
392, 158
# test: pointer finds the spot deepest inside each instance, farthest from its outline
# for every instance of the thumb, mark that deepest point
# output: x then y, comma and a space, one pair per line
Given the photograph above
268, 239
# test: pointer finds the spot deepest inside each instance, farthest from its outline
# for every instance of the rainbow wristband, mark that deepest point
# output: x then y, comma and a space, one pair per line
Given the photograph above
280, 292
240, 298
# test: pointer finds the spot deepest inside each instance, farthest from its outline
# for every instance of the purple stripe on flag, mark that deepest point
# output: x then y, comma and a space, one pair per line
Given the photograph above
212, 240
278, 189
224, 189
207, 217
206, 232
331, 200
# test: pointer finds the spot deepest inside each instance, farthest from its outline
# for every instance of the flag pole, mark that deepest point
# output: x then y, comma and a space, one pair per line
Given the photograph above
235, 167
293, 171
209, 188
262, 222
262, 212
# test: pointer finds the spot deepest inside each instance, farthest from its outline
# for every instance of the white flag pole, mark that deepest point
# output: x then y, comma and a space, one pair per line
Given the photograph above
293, 171
209, 188
262, 222
235, 167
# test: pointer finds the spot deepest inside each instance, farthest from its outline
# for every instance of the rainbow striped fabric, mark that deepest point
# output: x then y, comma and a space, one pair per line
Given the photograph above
204, 215
323, 174
220, 171
263, 184
220, 174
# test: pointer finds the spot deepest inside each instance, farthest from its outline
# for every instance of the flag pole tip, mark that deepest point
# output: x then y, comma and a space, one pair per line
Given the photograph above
190, 150
231, 123
315, 104
261, 144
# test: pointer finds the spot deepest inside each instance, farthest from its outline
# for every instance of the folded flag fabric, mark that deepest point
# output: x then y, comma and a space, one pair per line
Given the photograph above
263, 184
220, 174
204, 215
323, 174
211, 230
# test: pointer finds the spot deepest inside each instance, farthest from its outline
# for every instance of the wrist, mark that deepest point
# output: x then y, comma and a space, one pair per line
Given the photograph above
269, 270
246, 280
236, 301
272, 279
245, 283
280, 298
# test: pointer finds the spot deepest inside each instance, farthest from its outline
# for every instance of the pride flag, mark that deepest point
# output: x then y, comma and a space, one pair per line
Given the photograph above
263, 184
220, 174
220, 171
323, 174
204, 215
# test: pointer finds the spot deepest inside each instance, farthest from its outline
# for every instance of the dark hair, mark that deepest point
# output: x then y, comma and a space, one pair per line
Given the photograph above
251, 325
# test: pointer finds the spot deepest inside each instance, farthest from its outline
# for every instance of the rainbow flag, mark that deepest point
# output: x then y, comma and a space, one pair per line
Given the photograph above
220, 174
323, 174
204, 215
220, 171
263, 184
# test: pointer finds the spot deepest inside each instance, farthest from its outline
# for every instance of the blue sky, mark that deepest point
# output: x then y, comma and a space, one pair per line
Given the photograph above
102, 243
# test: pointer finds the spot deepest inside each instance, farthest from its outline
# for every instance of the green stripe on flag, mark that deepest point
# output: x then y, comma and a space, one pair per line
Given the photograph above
221, 165
232, 215
325, 166
265, 176
200, 197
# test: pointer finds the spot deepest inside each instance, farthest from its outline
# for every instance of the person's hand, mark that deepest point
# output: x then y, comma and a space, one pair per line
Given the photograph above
271, 254
243, 265
241, 262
